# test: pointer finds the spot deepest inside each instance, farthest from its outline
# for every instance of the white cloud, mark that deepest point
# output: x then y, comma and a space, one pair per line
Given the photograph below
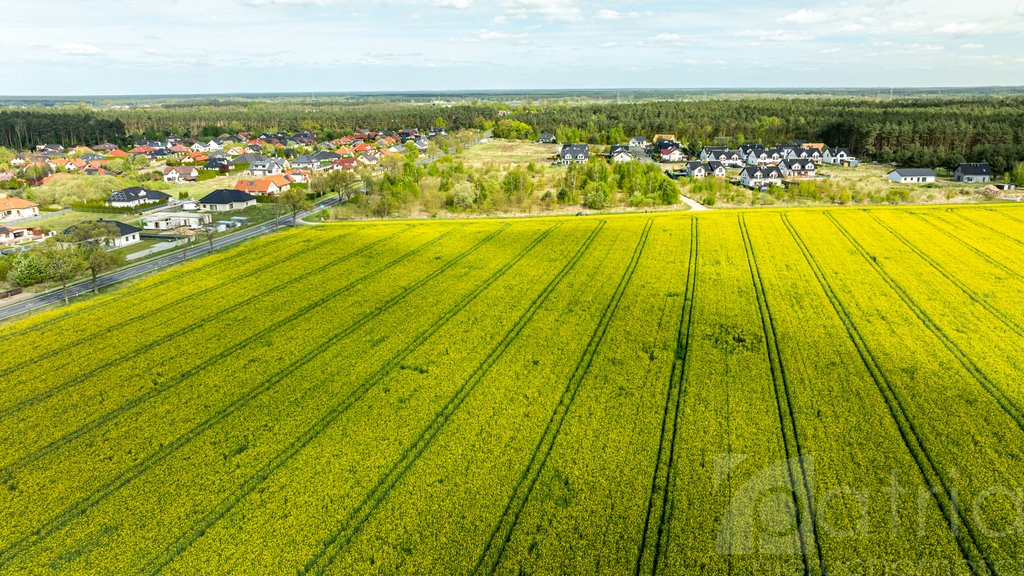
261, 3
962, 29
453, 4
609, 15
499, 19
564, 11
79, 50
774, 35
854, 27
831, 50
802, 16
609, 45
971, 46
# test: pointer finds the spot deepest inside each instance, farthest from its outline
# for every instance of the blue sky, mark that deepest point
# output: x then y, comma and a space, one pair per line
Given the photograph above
204, 46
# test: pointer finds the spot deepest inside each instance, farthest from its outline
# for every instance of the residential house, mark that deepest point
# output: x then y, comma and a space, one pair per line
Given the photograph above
267, 167
218, 164
707, 152
10, 235
664, 137
638, 142
701, 170
973, 172
127, 234
300, 176
800, 168
141, 149
105, 147
671, 154
180, 174
764, 157
728, 158
546, 138
573, 154
620, 153
262, 186
760, 176
136, 196
347, 164
803, 153
117, 153
839, 156
12, 208
912, 175
226, 199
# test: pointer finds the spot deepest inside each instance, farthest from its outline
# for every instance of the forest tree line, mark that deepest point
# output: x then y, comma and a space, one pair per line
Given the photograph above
935, 132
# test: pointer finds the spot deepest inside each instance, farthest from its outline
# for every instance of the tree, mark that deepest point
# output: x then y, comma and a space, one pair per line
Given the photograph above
26, 269
295, 201
62, 261
92, 239
209, 233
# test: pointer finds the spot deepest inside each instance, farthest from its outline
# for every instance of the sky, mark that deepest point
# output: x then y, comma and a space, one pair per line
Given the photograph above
222, 46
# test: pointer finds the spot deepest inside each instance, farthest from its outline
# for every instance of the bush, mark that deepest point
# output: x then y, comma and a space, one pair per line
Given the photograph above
26, 270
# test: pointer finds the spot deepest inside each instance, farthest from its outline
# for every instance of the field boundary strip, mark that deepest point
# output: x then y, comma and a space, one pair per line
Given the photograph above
59, 521
227, 504
354, 521
661, 480
149, 313
94, 305
924, 218
501, 535
968, 544
1005, 402
6, 413
787, 417
995, 312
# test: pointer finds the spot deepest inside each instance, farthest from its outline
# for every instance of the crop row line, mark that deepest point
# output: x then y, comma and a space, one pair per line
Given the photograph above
989, 228
62, 519
970, 247
128, 293
787, 417
150, 313
185, 331
968, 544
999, 315
356, 519
993, 389
651, 548
185, 540
501, 535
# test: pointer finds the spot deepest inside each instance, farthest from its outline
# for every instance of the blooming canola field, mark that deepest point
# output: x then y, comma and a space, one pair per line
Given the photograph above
809, 391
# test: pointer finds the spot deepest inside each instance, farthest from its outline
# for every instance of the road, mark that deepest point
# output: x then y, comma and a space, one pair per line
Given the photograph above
148, 266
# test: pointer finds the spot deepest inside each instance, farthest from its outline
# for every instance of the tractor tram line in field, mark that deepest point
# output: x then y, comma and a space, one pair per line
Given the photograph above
493, 552
962, 216
281, 259
939, 486
994, 390
182, 543
58, 522
650, 549
208, 363
354, 521
970, 247
807, 529
977, 298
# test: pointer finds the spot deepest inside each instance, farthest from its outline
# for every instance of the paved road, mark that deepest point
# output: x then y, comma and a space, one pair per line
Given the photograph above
171, 258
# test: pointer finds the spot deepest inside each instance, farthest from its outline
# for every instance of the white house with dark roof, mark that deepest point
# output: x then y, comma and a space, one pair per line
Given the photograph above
760, 176
136, 196
973, 172
838, 156
127, 234
573, 154
799, 168
912, 176
226, 199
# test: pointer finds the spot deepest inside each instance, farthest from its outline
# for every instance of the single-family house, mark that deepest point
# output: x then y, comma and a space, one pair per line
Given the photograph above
701, 170
12, 208
620, 153
638, 142
18, 234
799, 168
671, 154
728, 158
839, 156
347, 164
973, 172
172, 220
912, 175
546, 138
136, 196
707, 152
126, 233
664, 137
266, 167
573, 154
760, 176
226, 199
180, 174
261, 186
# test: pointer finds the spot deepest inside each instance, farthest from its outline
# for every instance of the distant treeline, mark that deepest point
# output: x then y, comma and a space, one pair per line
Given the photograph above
21, 129
916, 132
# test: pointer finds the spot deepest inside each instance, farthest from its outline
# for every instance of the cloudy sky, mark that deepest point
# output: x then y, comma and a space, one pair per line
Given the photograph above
207, 46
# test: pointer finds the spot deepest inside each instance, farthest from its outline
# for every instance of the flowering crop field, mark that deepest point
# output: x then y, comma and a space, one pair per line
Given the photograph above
826, 391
